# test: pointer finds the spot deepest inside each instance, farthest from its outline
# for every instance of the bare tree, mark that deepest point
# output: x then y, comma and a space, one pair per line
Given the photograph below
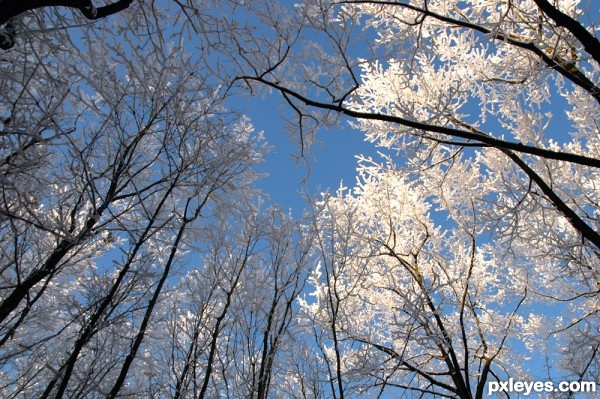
401, 306
112, 154
467, 99
135, 261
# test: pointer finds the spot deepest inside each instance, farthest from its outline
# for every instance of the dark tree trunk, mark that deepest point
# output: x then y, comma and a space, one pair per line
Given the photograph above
12, 8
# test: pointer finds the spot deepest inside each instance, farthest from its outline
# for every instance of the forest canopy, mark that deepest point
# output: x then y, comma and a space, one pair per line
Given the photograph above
138, 257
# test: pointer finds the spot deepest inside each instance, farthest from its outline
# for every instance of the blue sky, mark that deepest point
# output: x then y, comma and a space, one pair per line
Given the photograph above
332, 160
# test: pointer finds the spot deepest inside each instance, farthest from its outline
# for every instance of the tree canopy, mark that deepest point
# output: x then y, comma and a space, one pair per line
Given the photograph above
138, 258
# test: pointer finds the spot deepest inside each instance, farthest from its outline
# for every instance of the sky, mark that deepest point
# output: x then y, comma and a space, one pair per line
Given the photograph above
333, 158
332, 161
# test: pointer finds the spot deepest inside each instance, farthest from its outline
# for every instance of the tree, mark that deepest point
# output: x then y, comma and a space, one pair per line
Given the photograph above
231, 319
468, 100
136, 259
430, 75
114, 151
401, 303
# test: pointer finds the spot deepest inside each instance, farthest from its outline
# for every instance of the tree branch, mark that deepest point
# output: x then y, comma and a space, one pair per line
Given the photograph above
583, 228
483, 139
573, 74
590, 43
13, 8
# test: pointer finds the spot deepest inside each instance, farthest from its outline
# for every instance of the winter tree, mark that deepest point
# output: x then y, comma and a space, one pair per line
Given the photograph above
136, 259
487, 111
403, 304
231, 320
127, 195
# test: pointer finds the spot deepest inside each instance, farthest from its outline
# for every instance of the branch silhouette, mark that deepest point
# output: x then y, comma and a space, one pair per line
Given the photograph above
13, 8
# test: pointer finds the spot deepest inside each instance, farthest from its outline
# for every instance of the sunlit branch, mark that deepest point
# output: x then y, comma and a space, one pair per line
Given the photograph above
556, 63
